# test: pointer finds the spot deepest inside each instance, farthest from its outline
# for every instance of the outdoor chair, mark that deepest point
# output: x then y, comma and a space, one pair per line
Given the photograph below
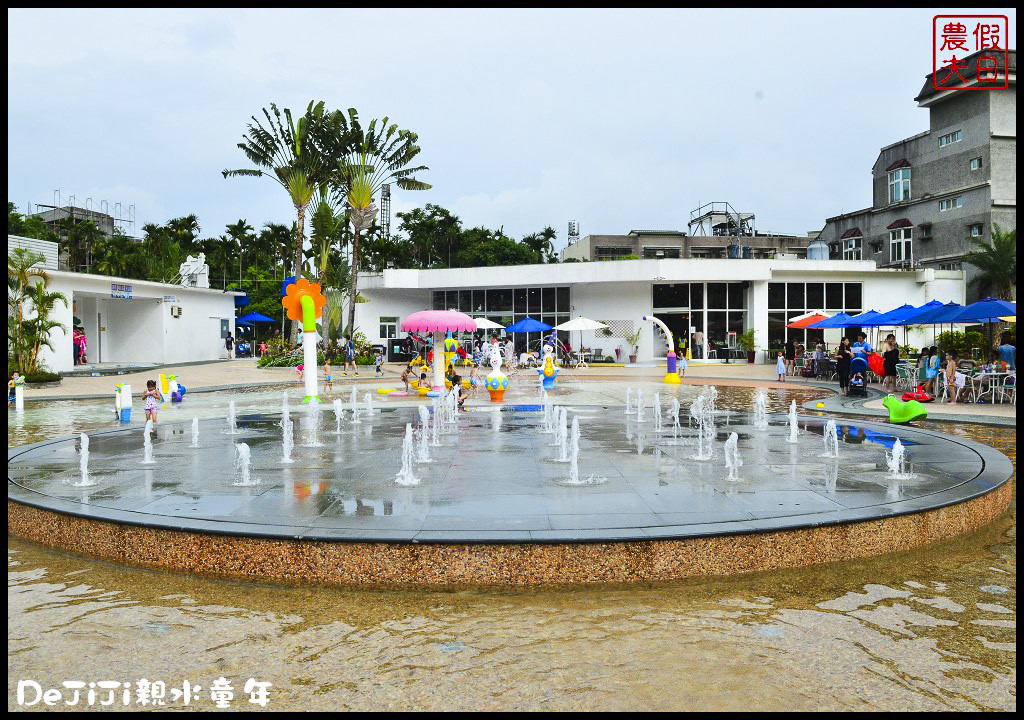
1009, 387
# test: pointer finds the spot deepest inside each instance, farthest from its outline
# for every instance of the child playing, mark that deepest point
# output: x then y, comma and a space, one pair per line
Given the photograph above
780, 366
405, 376
299, 370
472, 381
149, 397
16, 380
328, 383
378, 361
423, 380
457, 383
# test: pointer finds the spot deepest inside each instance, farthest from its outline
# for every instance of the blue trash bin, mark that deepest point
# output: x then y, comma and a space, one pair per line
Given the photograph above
126, 415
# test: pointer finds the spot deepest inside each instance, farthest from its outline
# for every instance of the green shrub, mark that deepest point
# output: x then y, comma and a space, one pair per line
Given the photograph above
609, 358
42, 376
960, 343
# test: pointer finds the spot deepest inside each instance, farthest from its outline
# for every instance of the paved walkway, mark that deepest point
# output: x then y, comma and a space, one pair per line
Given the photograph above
243, 372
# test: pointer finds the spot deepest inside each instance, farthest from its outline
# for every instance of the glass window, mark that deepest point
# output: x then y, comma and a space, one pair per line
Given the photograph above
465, 301
562, 296
499, 301
853, 248
716, 296
478, 301
950, 203
795, 296
716, 329
815, 296
736, 296
976, 230
833, 296
696, 296
438, 300
533, 306
672, 296
854, 295
955, 136
776, 330
451, 300
737, 321
899, 185
976, 163
777, 295
520, 300
388, 327
900, 244
548, 297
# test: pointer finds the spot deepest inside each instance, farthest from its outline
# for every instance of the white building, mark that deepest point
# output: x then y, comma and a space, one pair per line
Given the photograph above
718, 296
132, 321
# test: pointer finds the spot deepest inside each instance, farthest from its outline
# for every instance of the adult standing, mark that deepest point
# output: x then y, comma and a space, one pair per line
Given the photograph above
890, 358
861, 348
1008, 353
698, 343
350, 357
844, 354
790, 352
229, 343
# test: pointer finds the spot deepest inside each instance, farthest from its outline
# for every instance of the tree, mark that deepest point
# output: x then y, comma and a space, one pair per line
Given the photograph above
996, 263
27, 284
289, 153
378, 156
185, 231
433, 232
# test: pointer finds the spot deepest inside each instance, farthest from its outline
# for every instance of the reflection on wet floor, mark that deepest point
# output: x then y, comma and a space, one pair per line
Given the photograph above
932, 629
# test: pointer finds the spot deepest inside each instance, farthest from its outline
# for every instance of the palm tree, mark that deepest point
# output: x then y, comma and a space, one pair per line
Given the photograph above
997, 264
184, 230
380, 155
241, 234
288, 153
37, 330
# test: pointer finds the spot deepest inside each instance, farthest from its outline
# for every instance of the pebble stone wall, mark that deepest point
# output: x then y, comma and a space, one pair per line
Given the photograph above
426, 566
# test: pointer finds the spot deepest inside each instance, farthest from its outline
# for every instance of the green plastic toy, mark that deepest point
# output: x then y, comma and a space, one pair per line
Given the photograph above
904, 412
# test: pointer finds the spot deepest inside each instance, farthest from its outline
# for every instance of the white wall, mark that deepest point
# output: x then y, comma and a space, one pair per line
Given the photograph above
139, 329
391, 302
613, 301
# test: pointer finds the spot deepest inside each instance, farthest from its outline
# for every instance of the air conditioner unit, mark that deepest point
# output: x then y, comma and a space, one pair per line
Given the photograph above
176, 311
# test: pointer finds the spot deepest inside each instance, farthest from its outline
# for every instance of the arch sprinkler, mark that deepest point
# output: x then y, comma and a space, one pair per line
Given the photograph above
672, 376
305, 302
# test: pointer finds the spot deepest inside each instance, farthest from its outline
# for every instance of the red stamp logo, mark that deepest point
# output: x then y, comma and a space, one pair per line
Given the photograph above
956, 37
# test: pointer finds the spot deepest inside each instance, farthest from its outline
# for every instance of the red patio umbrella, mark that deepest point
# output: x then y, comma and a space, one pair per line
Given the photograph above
802, 322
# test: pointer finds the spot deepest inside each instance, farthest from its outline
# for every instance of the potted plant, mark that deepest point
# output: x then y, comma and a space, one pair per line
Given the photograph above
746, 342
633, 340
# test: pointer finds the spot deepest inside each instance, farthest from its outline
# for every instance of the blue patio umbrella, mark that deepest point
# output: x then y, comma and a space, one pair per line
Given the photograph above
242, 322
833, 322
912, 318
255, 317
862, 320
527, 325
986, 311
938, 315
893, 317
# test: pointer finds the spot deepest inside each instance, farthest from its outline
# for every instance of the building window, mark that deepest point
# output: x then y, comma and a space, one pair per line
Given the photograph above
976, 163
613, 253
950, 266
852, 248
388, 328
656, 253
976, 230
899, 185
955, 136
876, 247
950, 203
900, 248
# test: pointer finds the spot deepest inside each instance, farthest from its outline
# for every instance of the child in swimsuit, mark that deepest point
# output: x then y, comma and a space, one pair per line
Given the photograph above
328, 383
150, 396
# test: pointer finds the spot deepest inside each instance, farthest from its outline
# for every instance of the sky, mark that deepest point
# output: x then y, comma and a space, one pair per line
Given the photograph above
620, 119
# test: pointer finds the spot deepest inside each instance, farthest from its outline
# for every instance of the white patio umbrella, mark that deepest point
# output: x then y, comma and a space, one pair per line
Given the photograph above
485, 324
580, 323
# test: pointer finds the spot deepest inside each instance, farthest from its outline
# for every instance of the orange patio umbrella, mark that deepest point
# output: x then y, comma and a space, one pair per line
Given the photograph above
802, 322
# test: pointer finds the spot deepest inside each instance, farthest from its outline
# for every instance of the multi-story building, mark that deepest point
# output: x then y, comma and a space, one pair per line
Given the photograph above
676, 244
934, 190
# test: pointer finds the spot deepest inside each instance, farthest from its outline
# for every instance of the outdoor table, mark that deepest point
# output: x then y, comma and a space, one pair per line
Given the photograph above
985, 383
